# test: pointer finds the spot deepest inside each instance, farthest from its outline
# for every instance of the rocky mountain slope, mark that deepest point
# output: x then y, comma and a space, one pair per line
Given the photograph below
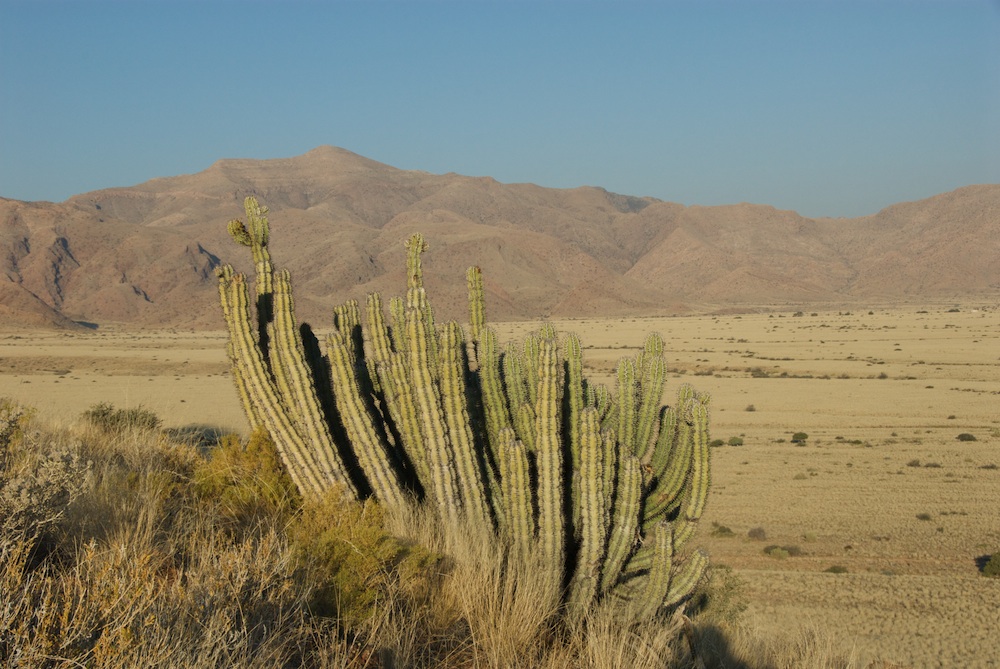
145, 256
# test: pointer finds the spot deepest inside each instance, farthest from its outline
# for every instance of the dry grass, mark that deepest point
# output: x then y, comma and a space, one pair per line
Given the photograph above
140, 564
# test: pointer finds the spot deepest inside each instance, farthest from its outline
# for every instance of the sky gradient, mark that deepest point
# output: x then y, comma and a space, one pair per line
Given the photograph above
827, 108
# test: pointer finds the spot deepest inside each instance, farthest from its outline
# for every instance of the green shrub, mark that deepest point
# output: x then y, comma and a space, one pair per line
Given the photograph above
923, 516
965, 436
799, 437
836, 569
246, 480
735, 441
107, 418
355, 564
992, 566
715, 443
782, 552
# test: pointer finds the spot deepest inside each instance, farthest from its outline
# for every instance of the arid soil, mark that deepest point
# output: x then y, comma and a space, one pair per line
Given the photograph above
881, 513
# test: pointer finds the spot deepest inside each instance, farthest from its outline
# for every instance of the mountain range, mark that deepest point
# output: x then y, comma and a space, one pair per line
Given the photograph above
145, 256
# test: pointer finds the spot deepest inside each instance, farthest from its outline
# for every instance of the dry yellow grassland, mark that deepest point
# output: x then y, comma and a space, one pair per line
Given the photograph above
882, 488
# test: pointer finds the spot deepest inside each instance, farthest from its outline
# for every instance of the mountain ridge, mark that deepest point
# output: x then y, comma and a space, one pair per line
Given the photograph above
144, 256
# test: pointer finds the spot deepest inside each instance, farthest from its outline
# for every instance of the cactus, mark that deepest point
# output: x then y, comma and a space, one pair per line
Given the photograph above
603, 489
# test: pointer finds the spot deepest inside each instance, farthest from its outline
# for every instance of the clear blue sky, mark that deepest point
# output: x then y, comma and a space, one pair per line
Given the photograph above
828, 108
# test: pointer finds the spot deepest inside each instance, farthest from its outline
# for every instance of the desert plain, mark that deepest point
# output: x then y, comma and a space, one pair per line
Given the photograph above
880, 514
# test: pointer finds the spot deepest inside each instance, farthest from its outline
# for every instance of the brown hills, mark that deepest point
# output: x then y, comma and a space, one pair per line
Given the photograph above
144, 256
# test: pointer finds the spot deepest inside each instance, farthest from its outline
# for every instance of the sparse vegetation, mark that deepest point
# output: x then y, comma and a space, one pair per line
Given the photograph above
799, 438
965, 436
147, 564
992, 566
107, 417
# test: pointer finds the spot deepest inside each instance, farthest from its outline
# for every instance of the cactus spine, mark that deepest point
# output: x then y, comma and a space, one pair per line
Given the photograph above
603, 489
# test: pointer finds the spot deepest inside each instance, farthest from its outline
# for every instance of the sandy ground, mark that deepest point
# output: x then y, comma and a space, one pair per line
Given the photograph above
882, 488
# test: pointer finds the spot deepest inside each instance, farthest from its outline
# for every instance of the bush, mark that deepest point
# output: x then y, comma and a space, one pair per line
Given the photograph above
355, 564
757, 534
107, 418
965, 436
735, 441
750, 407
836, 569
246, 480
799, 438
923, 516
992, 566
782, 552
715, 443
721, 531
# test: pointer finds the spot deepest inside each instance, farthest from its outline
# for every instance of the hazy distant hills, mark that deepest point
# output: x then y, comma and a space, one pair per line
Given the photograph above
145, 255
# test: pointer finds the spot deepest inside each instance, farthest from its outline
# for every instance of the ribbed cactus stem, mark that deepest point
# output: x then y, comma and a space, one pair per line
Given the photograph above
453, 398
626, 405
369, 445
574, 403
624, 519
549, 461
686, 579
495, 409
653, 378
397, 312
240, 367
398, 393
656, 584
477, 308
442, 485
297, 385
519, 518
592, 523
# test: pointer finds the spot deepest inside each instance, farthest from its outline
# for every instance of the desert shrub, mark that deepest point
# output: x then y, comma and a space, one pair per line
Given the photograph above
992, 566
923, 516
782, 552
721, 530
107, 418
750, 408
836, 569
757, 534
356, 565
799, 438
735, 441
913, 463
933, 465
989, 465
246, 479
715, 443
965, 436
39, 475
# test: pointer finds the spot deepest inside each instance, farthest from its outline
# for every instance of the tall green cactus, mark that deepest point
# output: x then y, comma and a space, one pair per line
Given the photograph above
603, 489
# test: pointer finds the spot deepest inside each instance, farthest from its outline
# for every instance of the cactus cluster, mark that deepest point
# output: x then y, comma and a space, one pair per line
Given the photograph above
603, 487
